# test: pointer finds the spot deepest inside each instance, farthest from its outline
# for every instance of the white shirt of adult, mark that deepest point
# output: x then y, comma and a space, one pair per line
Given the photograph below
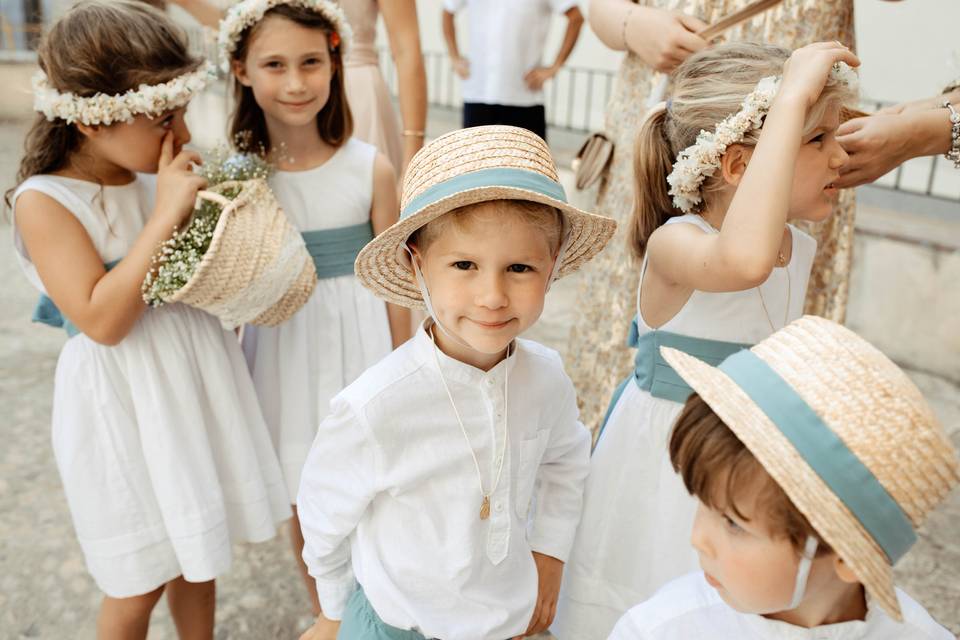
506, 40
389, 496
689, 608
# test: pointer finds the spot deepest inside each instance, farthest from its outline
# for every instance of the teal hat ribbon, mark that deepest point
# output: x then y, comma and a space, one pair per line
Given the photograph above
840, 469
496, 177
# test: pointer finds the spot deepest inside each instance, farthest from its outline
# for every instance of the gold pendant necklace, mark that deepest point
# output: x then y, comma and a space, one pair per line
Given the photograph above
485, 503
781, 261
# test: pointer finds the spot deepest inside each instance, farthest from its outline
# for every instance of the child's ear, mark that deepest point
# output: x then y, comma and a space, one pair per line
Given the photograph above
87, 130
843, 570
734, 162
240, 72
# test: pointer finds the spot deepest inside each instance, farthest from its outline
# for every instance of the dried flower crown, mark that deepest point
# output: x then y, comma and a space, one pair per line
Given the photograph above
702, 159
247, 13
102, 109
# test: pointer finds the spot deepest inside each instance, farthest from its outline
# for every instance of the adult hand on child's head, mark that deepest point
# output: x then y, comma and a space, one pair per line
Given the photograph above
322, 629
663, 39
876, 144
806, 71
549, 573
177, 184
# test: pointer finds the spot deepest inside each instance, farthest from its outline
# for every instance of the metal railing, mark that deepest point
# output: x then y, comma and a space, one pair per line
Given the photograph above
576, 100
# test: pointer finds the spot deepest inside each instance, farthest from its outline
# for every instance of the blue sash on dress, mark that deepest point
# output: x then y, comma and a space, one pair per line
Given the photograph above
335, 250
652, 373
46, 311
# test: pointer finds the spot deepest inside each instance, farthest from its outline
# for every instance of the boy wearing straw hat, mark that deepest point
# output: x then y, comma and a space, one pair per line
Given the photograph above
814, 459
442, 493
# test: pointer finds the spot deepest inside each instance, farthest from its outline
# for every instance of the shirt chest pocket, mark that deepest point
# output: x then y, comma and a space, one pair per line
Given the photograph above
531, 452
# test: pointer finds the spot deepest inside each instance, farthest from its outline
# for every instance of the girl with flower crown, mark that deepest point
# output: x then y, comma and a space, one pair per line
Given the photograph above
161, 446
720, 168
286, 57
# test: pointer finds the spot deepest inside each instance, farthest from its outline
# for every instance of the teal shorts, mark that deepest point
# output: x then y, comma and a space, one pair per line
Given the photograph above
361, 622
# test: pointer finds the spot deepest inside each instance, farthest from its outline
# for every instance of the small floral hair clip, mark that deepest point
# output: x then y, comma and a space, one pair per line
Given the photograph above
334, 39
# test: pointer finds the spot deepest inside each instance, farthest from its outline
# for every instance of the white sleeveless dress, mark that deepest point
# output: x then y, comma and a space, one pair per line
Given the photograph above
164, 455
634, 534
300, 365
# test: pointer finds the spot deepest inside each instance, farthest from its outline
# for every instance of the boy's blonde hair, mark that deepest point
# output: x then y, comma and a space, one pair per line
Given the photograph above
542, 216
709, 86
718, 469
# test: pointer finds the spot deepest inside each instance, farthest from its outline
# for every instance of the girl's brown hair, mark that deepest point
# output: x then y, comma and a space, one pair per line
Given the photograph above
248, 127
717, 468
100, 46
707, 87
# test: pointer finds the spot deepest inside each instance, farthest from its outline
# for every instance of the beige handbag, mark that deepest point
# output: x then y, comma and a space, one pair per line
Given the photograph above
592, 159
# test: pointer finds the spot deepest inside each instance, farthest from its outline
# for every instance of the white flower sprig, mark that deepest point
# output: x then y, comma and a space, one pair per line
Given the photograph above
103, 109
702, 159
247, 13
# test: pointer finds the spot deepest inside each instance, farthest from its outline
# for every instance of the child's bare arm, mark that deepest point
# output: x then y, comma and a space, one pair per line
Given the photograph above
103, 305
549, 575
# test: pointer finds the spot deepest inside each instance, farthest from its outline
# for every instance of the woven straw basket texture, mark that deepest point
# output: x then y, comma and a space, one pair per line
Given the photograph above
870, 404
382, 265
257, 269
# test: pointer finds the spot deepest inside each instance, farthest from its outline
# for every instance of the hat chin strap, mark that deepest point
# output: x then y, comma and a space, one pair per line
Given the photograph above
803, 572
425, 292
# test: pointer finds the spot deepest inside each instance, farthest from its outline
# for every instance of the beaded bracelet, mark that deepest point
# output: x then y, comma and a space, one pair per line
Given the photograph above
954, 152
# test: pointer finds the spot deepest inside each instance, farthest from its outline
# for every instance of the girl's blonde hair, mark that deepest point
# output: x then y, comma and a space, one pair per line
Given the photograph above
707, 87
100, 46
248, 126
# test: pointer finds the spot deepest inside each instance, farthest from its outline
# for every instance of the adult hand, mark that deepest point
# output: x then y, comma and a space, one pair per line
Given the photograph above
535, 78
549, 573
663, 39
461, 66
876, 144
177, 184
322, 629
806, 71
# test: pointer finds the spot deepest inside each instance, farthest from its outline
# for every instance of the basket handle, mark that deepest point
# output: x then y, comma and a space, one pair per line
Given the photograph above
213, 197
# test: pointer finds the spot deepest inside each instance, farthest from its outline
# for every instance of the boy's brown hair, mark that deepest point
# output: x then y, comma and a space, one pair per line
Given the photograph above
248, 127
542, 216
718, 469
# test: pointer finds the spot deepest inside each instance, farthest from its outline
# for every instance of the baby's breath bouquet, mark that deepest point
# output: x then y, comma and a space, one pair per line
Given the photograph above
177, 259
238, 257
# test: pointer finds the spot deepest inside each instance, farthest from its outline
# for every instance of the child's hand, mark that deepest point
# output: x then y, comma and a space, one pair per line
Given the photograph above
322, 629
807, 70
549, 572
177, 184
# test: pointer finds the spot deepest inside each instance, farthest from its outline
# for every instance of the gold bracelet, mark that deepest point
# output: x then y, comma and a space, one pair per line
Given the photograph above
412, 133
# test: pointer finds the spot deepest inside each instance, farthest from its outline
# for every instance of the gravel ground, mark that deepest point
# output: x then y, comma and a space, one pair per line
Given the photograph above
45, 591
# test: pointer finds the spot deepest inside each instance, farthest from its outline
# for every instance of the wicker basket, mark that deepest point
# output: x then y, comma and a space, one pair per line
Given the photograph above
257, 269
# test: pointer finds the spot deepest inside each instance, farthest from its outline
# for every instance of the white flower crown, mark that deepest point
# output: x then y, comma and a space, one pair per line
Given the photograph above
247, 13
702, 159
102, 109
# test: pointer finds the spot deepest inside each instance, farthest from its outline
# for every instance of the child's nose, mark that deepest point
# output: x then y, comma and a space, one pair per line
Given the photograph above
295, 82
838, 157
699, 535
181, 133
492, 293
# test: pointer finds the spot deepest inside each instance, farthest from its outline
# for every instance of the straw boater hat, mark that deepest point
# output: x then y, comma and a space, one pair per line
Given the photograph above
843, 431
465, 167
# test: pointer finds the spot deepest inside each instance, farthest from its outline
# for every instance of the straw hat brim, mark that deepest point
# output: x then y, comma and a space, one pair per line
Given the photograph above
383, 266
812, 497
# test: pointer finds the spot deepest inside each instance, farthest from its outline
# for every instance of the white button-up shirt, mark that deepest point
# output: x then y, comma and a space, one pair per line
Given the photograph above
390, 497
506, 40
688, 607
